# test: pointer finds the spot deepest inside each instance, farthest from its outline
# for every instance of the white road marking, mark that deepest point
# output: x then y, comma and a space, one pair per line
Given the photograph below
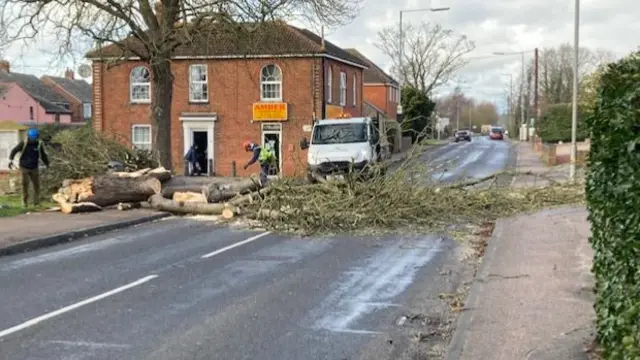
89, 344
226, 248
66, 309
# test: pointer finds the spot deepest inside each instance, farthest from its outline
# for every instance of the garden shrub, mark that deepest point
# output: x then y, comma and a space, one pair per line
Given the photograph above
555, 124
613, 201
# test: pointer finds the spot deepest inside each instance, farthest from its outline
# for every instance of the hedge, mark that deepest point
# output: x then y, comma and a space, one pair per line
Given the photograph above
613, 201
555, 124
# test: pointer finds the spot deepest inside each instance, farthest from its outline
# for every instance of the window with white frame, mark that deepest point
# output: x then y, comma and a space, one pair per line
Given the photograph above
140, 85
198, 83
271, 83
330, 85
390, 90
86, 110
141, 137
354, 90
343, 88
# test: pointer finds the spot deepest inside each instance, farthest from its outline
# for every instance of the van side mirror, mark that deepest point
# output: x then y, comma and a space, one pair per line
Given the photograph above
304, 144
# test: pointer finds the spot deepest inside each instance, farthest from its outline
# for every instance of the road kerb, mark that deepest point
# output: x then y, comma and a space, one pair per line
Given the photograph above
461, 331
69, 236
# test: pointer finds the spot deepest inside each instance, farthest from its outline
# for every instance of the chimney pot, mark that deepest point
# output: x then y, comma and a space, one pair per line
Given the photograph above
5, 65
69, 74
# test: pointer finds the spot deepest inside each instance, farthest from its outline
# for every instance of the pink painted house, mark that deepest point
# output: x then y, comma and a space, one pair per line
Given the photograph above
25, 99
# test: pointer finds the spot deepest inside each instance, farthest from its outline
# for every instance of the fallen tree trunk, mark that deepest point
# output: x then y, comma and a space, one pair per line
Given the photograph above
109, 190
222, 192
249, 198
158, 202
162, 174
159, 173
189, 197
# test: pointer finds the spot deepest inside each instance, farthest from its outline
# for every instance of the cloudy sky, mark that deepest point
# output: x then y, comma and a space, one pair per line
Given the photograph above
494, 26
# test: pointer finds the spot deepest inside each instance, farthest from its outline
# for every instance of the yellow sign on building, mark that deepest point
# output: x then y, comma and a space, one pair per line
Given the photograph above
270, 112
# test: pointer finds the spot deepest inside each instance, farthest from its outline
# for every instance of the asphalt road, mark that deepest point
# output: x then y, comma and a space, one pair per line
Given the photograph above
187, 289
465, 160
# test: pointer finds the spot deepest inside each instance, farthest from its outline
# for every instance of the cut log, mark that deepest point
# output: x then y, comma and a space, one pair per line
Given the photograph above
228, 213
109, 190
218, 193
189, 197
129, 206
160, 173
158, 202
75, 208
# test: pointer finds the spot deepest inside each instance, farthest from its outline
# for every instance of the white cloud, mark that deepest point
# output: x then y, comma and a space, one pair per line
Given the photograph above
499, 25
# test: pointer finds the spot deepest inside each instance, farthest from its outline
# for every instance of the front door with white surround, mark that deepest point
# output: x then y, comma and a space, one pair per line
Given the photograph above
272, 135
199, 129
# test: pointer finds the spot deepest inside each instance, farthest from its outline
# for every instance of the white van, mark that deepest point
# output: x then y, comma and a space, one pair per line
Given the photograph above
338, 145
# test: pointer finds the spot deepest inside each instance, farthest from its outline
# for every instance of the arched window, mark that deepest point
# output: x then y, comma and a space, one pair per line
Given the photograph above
271, 83
140, 85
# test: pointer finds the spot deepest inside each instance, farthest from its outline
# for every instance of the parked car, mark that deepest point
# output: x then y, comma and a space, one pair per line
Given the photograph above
496, 133
463, 135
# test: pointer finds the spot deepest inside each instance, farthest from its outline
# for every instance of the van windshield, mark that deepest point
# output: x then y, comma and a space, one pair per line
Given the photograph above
339, 134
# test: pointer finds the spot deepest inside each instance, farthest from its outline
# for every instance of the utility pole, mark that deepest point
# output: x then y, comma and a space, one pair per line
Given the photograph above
457, 115
536, 109
574, 107
522, 86
470, 110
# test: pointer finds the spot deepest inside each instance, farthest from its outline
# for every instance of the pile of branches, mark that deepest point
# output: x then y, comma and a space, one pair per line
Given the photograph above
80, 153
397, 201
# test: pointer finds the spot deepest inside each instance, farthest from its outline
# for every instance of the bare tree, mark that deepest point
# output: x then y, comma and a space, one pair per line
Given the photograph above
432, 54
153, 32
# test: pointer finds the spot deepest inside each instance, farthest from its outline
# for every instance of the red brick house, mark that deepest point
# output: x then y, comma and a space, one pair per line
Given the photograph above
78, 94
266, 85
380, 89
381, 98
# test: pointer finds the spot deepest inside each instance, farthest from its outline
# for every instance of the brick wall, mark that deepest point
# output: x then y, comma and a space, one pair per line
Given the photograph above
234, 85
335, 68
379, 96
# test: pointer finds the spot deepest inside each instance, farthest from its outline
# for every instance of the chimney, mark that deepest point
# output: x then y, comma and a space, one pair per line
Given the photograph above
68, 74
322, 46
4, 65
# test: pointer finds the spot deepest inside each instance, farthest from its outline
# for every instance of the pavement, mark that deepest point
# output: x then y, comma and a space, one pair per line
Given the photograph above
34, 230
533, 295
529, 161
181, 288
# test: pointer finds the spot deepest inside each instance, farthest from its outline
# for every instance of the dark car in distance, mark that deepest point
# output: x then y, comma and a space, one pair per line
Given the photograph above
463, 135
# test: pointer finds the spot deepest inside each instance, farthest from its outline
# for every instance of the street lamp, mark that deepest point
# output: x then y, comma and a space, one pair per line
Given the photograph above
574, 105
521, 53
401, 35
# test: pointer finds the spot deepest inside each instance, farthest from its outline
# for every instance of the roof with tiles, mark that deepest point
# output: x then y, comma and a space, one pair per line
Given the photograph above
80, 89
273, 38
374, 74
37, 89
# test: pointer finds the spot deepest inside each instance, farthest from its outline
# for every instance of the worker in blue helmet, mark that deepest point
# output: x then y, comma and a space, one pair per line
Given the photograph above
31, 151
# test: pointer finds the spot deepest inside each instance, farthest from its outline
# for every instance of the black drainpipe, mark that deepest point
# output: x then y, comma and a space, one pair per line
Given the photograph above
324, 92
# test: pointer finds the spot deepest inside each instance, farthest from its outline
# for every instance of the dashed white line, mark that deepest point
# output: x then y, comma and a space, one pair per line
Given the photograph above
39, 319
226, 248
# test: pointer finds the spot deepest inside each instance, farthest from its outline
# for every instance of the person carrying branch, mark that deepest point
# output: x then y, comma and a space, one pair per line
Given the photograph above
31, 151
265, 156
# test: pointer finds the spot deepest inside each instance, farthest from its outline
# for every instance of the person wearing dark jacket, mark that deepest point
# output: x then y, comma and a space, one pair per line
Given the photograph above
192, 159
31, 151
